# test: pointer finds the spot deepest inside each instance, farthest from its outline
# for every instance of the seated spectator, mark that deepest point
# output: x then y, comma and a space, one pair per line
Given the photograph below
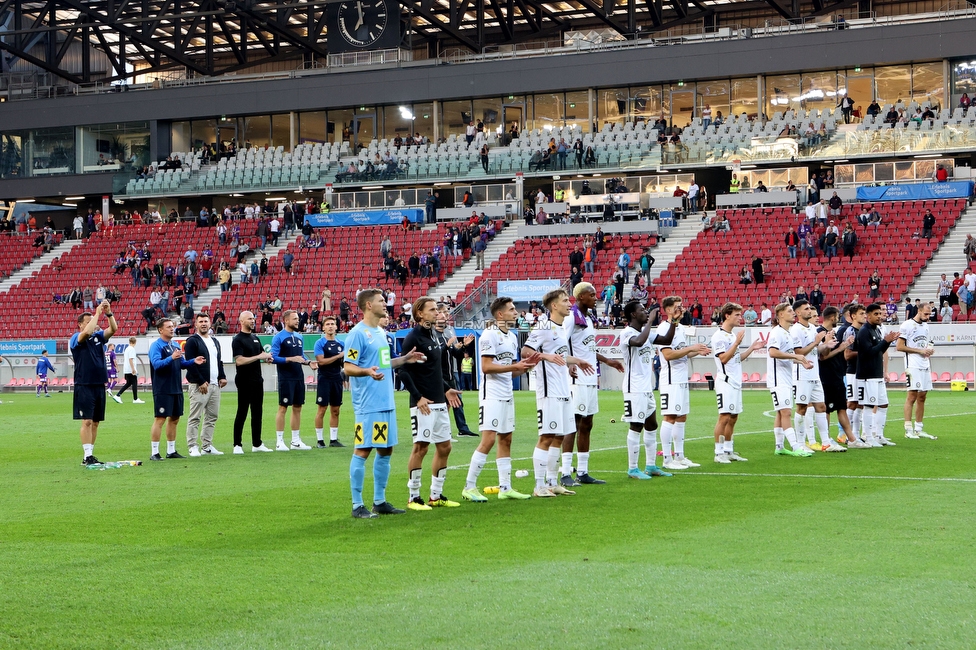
760, 187
745, 276
723, 225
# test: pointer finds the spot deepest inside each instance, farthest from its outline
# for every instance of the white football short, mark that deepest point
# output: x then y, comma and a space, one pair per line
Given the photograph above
586, 400
496, 415
850, 381
919, 379
728, 398
434, 427
638, 407
675, 399
555, 416
872, 392
808, 391
782, 397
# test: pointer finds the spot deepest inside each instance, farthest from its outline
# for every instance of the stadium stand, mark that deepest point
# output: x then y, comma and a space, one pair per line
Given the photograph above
17, 250
534, 258
27, 310
361, 265
708, 269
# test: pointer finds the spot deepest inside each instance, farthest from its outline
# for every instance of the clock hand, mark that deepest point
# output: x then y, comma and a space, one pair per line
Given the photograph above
359, 6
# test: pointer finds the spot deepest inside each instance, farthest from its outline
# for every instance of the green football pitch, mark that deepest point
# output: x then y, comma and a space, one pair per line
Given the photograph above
867, 549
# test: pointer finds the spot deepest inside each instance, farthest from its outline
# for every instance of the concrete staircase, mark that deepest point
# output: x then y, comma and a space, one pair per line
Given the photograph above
468, 271
948, 259
678, 240
38, 263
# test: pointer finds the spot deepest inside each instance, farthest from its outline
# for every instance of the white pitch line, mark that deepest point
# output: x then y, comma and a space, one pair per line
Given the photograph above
695, 439
844, 476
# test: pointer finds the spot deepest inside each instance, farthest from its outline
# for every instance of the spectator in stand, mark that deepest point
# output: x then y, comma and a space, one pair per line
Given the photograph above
79, 227
287, 260
834, 205
623, 263
831, 239
874, 285
576, 258
928, 223
575, 277
758, 270
817, 298
697, 313
761, 187
874, 109
223, 277
891, 311
765, 316
745, 276
969, 248
470, 131
945, 290
941, 174
849, 241
946, 314
646, 262
792, 241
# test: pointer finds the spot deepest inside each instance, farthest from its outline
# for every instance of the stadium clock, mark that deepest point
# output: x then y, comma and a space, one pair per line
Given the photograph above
364, 24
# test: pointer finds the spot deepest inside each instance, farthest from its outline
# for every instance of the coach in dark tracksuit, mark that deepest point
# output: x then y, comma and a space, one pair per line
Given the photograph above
455, 352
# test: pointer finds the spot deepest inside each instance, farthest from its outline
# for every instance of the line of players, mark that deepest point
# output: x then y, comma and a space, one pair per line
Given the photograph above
561, 352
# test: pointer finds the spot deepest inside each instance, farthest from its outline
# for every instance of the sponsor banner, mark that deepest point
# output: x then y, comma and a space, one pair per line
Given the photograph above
526, 290
27, 347
608, 341
916, 191
365, 218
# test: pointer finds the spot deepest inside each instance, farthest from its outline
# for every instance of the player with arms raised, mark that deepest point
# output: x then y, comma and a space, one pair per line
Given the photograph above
552, 393
640, 407
586, 403
369, 366
780, 357
916, 344
87, 347
728, 379
675, 397
496, 408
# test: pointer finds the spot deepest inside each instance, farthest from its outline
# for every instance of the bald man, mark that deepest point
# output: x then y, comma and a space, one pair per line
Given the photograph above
248, 355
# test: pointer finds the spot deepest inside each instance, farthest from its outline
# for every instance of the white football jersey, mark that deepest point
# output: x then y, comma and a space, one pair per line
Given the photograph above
779, 372
729, 373
674, 372
582, 345
638, 363
503, 348
549, 338
916, 335
804, 335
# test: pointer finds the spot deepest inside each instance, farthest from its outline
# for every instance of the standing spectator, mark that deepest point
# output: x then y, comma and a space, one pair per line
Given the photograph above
765, 316
750, 317
88, 298
941, 174
849, 241
469, 132
834, 205
758, 270
576, 258
287, 260
167, 360
479, 254
484, 157
846, 108
969, 248
874, 285
326, 304
79, 226
223, 277
792, 242
928, 223
817, 298
831, 238
945, 290
623, 263
430, 207
262, 232
646, 262
274, 228
946, 313
467, 372
385, 247
205, 380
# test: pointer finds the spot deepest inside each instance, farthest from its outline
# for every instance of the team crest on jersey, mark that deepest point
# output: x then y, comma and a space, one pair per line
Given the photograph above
552, 424
803, 398
494, 422
485, 343
582, 407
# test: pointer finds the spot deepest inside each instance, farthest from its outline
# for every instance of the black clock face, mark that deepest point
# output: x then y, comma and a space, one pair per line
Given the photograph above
362, 22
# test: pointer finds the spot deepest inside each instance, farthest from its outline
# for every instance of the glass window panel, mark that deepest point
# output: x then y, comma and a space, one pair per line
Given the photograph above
893, 83
905, 171
577, 109
51, 151
510, 191
365, 124
818, 91
480, 193
123, 145
455, 116
548, 111
489, 112
927, 83
963, 79
362, 199
311, 127
495, 193
180, 136
884, 172
423, 122
647, 103
204, 132
860, 87
842, 174
281, 131
715, 95
257, 131
611, 106
339, 125
926, 168
397, 121
377, 199
391, 197
782, 93
11, 155
745, 97
864, 173
682, 104
779, 177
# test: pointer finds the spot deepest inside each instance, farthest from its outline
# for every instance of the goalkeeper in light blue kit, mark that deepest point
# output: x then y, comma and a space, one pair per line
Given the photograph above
43, 367
369, 365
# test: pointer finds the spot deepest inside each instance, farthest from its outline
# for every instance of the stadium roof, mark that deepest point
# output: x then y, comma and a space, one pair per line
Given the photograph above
213, 37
